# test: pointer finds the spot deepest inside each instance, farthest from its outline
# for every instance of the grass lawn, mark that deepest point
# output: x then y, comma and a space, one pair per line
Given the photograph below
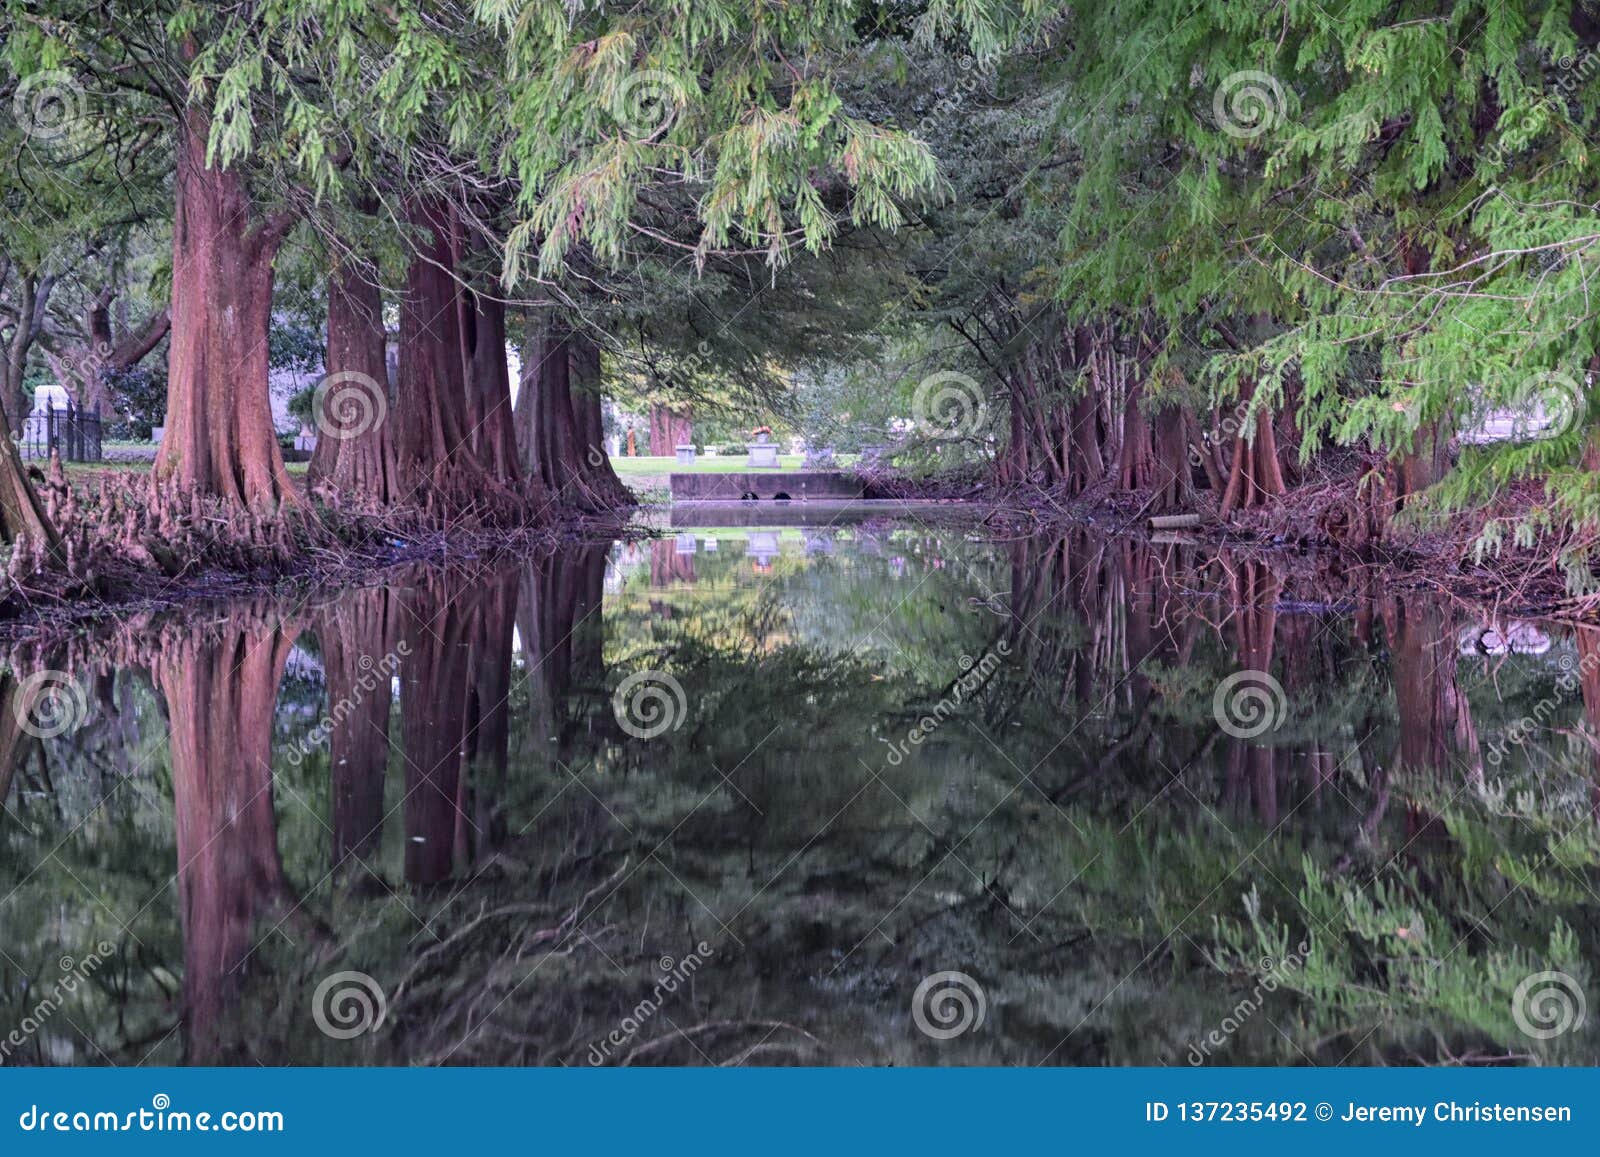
641, 474
660, 467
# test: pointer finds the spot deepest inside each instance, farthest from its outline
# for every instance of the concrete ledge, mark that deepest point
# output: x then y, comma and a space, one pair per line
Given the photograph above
798, 485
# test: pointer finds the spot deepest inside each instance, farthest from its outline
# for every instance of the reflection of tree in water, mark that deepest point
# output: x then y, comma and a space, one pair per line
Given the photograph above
1072, 828
220, 684
355, 632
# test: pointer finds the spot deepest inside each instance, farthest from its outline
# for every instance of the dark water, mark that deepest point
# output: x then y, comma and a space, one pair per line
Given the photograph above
863, 795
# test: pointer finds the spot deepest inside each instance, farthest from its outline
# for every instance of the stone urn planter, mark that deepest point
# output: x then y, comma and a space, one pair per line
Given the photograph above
763, 454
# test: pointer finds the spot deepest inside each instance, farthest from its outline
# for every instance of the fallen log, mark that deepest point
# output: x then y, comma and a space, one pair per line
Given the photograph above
1174, 522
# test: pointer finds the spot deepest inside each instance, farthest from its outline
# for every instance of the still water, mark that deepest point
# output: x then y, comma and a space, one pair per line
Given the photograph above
882, 793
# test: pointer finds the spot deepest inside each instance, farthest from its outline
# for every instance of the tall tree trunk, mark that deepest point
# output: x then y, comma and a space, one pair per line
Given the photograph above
494, 439
558, 419
23, 518
220, 438
1255, 476
436, 460
355, 449
669, 429
1434, 715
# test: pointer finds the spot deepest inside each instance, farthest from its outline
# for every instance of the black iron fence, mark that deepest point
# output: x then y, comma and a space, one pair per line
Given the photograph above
72, 433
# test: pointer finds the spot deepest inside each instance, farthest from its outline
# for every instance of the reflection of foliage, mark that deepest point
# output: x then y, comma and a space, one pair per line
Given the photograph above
1076, 832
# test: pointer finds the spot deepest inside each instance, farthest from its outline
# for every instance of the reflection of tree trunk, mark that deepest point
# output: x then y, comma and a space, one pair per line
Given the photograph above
436, 624
558, 622
354, 634
12, 712
488, 709
1588, 643
1434, 715
1256, 590
667, 566
220, 691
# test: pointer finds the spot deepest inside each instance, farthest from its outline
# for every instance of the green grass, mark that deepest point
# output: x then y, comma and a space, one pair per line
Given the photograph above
641, 474
660, 467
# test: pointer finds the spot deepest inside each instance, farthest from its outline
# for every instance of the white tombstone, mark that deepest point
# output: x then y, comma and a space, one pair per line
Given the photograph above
685, 455
50, 397
763, 456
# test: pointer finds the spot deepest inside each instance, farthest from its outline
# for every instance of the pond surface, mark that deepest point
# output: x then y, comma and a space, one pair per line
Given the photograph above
871, 793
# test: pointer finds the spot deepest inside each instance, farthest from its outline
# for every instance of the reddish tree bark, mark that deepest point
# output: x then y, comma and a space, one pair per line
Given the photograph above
488, 740
558, 419
436, 624
220, 692
435, 446
355, 635
220, 438
1255, 475
669, 429
355, 450
22, 515
489, 395
1434, 715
